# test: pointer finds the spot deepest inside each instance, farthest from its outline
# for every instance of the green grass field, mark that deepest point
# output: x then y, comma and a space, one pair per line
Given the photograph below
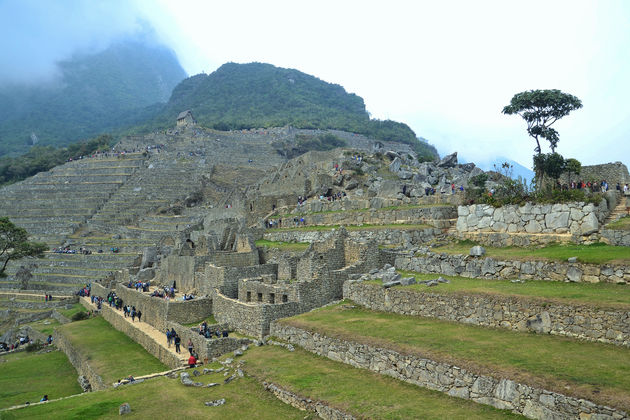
111, 353
599, 294
164, 398
598, 253
588, 370
29, 376
285, 246
360, 392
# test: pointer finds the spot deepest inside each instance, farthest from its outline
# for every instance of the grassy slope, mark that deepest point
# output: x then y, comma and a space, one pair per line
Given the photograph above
621, 224
599, 294
588, 370
595, 254
29, 376
360, 392
164, 398
110, 352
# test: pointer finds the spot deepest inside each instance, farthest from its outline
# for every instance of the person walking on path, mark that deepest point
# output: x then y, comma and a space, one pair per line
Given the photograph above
190, 346
178, 341
133, 314
139, 314
169, 338
192, 361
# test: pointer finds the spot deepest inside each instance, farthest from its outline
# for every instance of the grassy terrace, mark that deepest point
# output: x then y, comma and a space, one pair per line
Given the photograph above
360, 392
598, 253
285, 246
164, 398
397, 226
111, 353
594, 371
621, 224
388, 208
29, 376
600, 294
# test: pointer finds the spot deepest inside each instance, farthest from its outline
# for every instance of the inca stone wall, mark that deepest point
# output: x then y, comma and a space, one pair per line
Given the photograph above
490, 268
616, 237
438, 216
382, 236
208, 348
612, 173
251, 318
578, 219
503, 393
519, 314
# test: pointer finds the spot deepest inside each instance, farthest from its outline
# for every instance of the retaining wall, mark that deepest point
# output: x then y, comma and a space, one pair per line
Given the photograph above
382, 236
502, 393
490, 268
572, 219
439, 216
519, 314
616, 237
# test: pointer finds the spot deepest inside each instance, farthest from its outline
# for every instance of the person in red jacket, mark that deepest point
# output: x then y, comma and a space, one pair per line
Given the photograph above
192, 361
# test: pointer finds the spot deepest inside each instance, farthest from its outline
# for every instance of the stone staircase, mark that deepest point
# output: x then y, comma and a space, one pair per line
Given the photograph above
619, 211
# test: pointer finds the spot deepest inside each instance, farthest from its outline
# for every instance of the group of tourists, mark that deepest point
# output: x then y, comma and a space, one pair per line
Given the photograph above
164, 292
47, 297
131, 311
206, 331
84, 291
139, 285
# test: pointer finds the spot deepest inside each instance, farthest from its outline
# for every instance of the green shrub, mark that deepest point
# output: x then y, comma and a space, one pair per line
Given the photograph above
35, 346
79, 316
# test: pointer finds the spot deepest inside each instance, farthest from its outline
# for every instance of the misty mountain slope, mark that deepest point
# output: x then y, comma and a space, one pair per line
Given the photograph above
96, 93
255, 95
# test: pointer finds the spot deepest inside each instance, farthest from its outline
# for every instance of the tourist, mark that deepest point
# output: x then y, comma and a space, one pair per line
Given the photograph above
192, 361
44, 398
177, 341
190, 346
133, 314
139, 314
169, 338
49, 340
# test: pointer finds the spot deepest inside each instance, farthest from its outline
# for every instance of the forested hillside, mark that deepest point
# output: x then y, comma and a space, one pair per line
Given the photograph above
94, 93
254, 95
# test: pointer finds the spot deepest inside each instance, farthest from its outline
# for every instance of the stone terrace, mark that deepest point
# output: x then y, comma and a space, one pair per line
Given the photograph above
52, 205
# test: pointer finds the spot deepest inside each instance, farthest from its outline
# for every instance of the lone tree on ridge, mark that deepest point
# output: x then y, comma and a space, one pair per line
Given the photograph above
14, 244
540, 109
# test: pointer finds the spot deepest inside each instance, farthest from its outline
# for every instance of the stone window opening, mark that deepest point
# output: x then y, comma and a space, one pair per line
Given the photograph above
285, 298
249, 297
272, 298
260, 297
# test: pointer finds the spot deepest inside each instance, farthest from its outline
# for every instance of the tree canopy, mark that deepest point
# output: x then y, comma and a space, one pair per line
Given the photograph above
14, 244
540, 109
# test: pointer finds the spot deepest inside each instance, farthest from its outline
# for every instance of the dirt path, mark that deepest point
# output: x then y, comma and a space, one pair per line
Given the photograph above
158, 336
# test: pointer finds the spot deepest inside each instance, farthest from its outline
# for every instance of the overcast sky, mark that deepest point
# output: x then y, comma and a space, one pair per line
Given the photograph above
446, 68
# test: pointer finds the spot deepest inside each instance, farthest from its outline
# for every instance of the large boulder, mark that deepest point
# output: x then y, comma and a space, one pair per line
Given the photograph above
395, 165
448, 161
477, 251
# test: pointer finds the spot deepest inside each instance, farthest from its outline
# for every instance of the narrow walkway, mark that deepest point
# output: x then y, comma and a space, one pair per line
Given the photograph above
158, 336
